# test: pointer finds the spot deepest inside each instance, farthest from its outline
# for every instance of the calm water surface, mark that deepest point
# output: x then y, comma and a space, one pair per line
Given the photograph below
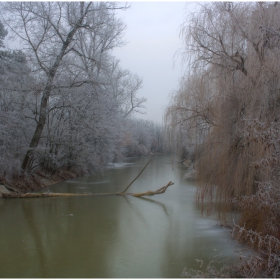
111, 236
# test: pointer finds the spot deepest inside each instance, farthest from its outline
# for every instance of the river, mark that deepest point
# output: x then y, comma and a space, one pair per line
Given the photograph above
111, 236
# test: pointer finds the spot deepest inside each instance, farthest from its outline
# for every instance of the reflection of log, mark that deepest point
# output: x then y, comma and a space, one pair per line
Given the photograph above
159, 191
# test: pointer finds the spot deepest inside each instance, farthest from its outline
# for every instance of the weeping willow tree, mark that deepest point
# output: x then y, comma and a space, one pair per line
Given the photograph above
230, 97
228, 108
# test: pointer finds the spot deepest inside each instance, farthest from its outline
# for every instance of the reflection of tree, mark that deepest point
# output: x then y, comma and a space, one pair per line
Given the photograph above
60, 245
34, 240
179, 246
84, 239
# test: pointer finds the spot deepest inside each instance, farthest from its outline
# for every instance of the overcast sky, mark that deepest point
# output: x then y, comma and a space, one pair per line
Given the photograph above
152, 37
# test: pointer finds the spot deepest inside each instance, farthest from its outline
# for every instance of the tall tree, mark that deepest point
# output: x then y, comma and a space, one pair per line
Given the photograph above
232, 89
232, 94
49, 30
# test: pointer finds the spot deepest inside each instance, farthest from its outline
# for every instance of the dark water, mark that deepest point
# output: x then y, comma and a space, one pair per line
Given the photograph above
111, 236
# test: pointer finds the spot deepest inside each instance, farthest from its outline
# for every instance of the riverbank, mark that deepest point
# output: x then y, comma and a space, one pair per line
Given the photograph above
36, 181
39, 179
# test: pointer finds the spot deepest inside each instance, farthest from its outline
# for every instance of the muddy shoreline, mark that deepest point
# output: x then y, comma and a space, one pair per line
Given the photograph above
27, 183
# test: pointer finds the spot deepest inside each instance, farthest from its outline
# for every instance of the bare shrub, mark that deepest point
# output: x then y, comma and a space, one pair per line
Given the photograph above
215, 269
263, 265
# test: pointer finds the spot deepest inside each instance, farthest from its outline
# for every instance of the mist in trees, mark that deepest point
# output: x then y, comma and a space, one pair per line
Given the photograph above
65, 101
226, 114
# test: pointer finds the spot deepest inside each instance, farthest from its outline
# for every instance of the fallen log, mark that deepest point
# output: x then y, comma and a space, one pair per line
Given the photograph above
159, 191
35, 195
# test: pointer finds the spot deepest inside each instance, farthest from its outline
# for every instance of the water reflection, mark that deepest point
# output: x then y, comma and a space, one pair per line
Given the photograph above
110, 236
156, 202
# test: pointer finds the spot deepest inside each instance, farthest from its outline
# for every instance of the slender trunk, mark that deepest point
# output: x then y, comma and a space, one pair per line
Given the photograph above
26, 164
39, 129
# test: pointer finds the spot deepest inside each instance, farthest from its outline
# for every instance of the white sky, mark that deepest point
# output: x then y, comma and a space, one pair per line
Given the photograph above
152, 37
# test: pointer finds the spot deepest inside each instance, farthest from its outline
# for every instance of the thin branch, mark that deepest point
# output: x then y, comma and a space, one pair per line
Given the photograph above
122, 193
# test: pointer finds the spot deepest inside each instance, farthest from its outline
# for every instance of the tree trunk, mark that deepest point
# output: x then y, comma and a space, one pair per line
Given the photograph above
26, 164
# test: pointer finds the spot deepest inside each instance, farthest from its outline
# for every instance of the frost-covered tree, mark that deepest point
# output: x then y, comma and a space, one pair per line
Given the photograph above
142, 137
14, 114
50, 32
75, 98
89, 117
3, 34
